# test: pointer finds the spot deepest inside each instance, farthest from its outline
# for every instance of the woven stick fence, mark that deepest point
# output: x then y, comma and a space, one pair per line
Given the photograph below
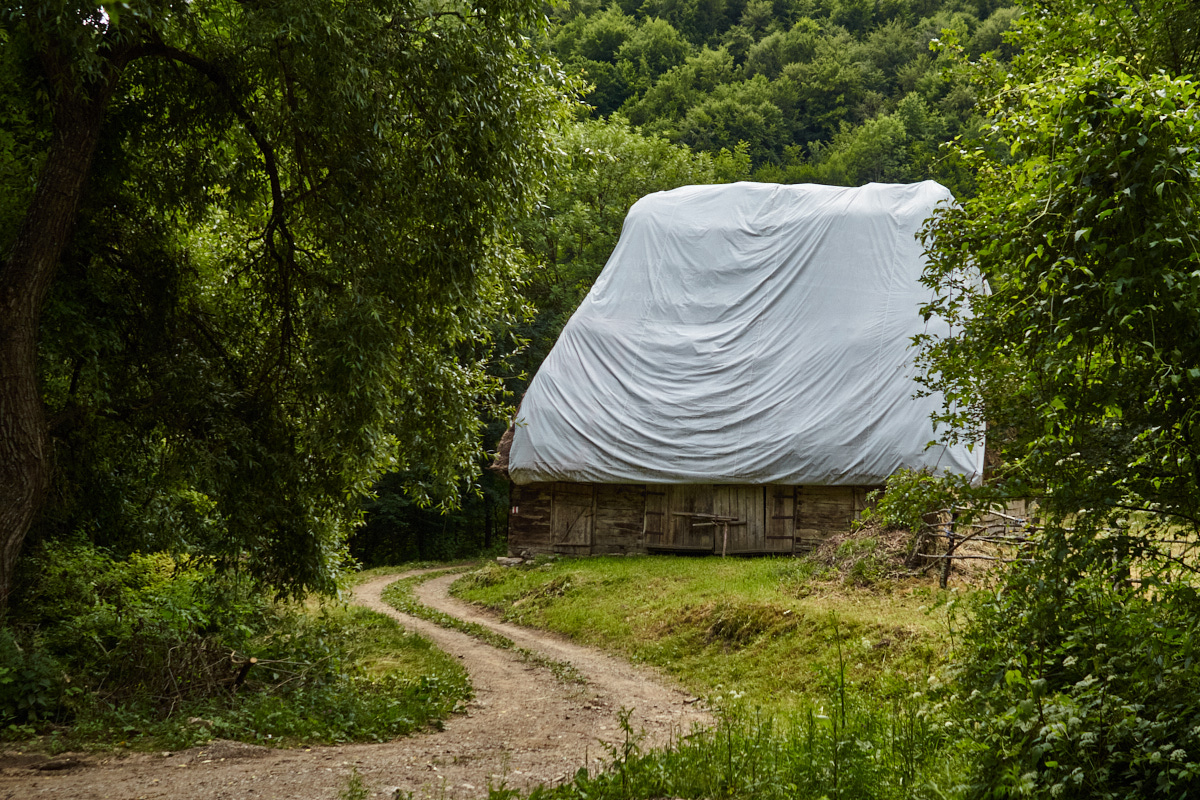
995, 528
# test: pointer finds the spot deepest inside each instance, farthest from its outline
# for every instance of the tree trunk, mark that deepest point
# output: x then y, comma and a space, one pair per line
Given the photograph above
25, 279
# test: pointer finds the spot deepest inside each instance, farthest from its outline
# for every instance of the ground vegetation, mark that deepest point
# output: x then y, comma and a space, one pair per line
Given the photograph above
151, 652
770, 631
818, 682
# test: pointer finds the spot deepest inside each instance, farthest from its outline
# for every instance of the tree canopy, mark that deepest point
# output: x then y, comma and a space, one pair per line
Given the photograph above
796, 81
1082, 351
255, 254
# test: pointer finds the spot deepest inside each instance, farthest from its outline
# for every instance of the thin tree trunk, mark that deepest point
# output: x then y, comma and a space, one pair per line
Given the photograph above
25, 279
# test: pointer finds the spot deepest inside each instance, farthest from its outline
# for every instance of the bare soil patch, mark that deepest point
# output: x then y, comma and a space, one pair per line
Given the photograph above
523, 728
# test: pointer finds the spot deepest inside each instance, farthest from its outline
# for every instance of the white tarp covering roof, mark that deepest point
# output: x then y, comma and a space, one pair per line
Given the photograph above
745, 333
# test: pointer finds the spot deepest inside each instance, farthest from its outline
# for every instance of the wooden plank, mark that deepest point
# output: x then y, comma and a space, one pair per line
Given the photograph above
781, 523
654, 522
620, 516
822, 511
529, 518
688, 498
672, 548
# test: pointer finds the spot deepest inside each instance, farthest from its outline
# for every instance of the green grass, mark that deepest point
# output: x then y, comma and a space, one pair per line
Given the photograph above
848, 750
399, 595
766, 632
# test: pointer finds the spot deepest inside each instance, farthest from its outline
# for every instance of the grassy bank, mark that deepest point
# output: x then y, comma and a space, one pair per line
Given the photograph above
338, 674
774, 633
814, 667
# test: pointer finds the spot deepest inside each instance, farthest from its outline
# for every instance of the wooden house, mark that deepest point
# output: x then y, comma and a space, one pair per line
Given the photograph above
738, 379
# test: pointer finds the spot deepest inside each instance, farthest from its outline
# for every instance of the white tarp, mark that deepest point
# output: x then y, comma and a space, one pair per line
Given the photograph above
745, 333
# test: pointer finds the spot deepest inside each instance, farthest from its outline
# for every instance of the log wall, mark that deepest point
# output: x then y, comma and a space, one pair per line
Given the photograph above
620, 518
583, 519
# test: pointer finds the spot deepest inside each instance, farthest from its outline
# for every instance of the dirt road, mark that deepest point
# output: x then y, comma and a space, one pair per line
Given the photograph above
524, 727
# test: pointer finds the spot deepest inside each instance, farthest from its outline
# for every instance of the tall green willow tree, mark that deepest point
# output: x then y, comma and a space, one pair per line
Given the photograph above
252, 254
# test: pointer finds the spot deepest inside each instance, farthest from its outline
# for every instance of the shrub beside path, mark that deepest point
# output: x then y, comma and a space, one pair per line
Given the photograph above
523, 727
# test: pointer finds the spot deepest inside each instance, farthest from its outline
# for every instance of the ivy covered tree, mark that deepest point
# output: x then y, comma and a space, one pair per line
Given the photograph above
253, 254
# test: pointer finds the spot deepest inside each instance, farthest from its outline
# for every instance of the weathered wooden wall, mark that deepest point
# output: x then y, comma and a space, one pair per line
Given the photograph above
529, 517
581, 519
822, 511
620, 518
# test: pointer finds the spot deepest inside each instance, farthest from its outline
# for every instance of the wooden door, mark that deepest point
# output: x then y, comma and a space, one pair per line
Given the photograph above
572, 517
684, 531
744, 504
529, 517
619, 519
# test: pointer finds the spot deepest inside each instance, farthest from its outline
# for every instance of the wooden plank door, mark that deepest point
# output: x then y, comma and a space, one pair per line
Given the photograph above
619, 519
745, 505
685, 532
655, 527
529, 517
572, 518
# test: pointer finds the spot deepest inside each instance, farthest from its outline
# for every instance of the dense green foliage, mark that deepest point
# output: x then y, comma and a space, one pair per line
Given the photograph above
130, 650
1079, 684
290, 263
838, 92
1080, 355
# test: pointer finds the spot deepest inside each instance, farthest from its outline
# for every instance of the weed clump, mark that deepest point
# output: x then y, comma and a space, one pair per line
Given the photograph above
865, 557
736, 625
485, 577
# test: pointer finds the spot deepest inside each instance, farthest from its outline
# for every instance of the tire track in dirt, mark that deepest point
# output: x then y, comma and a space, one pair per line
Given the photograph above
523, 728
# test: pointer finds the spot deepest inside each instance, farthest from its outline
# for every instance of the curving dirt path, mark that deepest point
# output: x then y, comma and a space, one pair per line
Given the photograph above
524, 727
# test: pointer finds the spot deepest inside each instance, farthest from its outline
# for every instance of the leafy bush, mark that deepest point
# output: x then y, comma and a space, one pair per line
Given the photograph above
147, 628
31, 684
131, 650
912, 495
1082, 685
